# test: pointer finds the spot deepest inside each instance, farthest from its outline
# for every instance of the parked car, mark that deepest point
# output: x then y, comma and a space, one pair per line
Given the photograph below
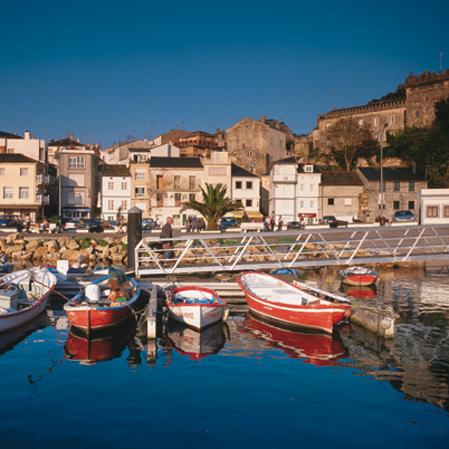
293, 225
7, 222
93, 225
148, 224
334, 222
228, 222
404, 215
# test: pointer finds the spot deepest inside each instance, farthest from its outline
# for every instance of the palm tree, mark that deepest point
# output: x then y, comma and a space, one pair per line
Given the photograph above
215, 204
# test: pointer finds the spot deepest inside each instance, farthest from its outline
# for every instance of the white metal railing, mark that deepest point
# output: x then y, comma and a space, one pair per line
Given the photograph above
309, 248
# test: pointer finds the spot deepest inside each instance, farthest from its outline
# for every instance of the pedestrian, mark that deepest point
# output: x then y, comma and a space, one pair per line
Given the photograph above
245, 217
266, 224
272, 221
158, 223
280, 223
302, 223
27, 223
167, 233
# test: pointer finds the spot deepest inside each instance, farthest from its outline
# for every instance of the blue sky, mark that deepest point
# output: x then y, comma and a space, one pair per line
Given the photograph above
111, 70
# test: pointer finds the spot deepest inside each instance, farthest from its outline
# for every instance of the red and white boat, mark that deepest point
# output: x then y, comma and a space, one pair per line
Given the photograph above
280, 302
23, 296
93, 311
358, 276
198, 307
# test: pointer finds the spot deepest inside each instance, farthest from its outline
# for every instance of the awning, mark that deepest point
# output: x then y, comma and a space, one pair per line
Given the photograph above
238, 214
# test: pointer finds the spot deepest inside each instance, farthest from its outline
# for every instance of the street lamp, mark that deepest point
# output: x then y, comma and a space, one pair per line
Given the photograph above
382, 205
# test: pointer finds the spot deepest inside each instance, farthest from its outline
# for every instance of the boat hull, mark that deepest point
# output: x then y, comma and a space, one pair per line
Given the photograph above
359, 280
13, 320
94, 319
197, 316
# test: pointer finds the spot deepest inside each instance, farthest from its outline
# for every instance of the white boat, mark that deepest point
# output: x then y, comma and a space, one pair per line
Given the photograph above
23, 296
197, 307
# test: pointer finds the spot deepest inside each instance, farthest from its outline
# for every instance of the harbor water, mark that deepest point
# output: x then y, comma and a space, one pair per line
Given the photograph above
246, 384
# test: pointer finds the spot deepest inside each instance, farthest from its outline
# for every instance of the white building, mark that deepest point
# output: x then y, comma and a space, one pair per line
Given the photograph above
26, 145
115, 191
217, 170
434, 206
246, 189
295, 191
143, 154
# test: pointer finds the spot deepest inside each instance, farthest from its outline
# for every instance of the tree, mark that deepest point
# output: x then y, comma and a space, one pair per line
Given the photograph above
427, 149
348, 140
215, 204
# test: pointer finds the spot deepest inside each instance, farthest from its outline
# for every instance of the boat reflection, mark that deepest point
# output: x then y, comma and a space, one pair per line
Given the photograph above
194, 344
92, 349
10, 339
359, 292
317, 349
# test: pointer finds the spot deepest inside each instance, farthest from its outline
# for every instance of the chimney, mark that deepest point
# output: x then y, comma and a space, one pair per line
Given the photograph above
27, 135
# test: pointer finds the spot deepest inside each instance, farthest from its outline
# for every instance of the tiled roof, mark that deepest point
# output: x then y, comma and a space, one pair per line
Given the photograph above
115, 170
176, 162
340, 179
9, 135
17, 158
391, 174
236, 170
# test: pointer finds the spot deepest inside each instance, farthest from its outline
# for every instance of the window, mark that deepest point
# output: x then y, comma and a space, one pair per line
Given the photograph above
177, 182
124, 185
2, 172
191, 197
301, 204
249, 203
411, 205
159, 199
249, 185
159, 182
24, 172
110, 204
446, 211
124, 205
177, 199
311, 187
347, 201
411, 186
396, 186
396, 205
8, 192
238, 184
417, 114
110, 185
192, 182
140, 174
24, 193
312, 203
139, 191
74, 198
308, 168
432, 211
249, 153
330, 201
76, 162
391, 119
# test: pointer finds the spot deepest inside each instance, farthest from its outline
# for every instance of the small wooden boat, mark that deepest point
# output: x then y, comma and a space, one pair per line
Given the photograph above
197, 307
23, 296
358, 276
91, 310
280, 302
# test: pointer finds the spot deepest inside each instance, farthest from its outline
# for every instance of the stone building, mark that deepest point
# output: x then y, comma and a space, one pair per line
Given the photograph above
339, 194
422, 92
402, 187
197, 144
255, 144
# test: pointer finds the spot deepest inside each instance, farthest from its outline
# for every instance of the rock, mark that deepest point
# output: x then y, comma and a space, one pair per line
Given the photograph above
105, 253
72, 244
71, 255
117, 259
51, 244
32, 245
93, 242
39, 253
11, 238
10, 249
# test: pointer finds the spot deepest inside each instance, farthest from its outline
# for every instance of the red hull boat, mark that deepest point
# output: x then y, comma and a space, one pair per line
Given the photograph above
92, 314
317, 349
359, 276
278, 301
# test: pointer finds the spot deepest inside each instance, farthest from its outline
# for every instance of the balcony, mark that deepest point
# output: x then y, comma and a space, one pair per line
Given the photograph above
42, 179
42, 199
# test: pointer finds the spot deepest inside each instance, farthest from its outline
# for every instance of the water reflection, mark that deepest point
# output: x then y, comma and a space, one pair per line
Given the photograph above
196, 344
359, 292
317, 349
92, 349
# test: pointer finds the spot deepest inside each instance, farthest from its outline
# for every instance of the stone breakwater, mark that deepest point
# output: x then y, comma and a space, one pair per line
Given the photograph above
19, 249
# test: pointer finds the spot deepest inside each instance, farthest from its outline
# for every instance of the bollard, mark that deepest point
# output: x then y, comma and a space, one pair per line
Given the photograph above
134, 234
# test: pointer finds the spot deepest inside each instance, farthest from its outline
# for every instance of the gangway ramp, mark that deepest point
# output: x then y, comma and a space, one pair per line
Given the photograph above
239, 251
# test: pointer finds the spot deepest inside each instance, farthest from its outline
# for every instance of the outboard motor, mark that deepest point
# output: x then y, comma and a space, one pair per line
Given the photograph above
93, 293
